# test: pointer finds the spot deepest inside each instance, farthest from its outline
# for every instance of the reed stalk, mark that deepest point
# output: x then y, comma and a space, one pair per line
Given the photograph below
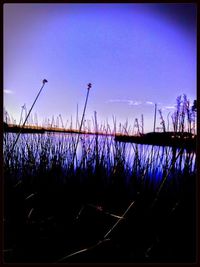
44, 81
81, 124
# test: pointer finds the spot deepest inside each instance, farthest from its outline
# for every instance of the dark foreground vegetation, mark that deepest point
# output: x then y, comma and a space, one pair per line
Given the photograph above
91, 199
112, 202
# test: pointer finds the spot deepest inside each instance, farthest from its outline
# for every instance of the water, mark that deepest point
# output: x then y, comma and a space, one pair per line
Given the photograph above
59, 216
60, 149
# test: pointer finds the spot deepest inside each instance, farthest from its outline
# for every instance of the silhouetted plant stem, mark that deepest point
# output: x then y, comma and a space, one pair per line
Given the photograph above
44, 81
162, 120
83, 115
96, 141
154, 125
167, 174
118, 221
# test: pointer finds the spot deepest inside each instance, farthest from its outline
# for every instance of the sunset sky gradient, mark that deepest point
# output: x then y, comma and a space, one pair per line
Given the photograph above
135, 55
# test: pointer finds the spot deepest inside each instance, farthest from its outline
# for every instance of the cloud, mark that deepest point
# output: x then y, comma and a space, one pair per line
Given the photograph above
130, 102
134, 103
117, 101
169, 107
149, 103
126, 101
8, 91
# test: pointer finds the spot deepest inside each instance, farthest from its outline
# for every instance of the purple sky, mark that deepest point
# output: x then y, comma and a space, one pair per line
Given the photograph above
135, 55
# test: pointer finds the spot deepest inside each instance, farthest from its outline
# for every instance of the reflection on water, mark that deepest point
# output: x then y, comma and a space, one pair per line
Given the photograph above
54, 201
58, 149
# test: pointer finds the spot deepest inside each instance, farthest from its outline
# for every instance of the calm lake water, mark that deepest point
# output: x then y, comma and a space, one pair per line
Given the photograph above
53, 210
92, 150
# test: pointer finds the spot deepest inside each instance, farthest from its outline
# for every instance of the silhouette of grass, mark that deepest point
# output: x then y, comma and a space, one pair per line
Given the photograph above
40, 184
117, 202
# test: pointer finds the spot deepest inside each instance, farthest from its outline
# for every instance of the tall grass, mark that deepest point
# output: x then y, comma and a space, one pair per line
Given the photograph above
49, 200
27, 116
106, 173
95, 156
183, 119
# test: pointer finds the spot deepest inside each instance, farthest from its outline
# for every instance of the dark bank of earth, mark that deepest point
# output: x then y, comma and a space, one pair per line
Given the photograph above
175, 139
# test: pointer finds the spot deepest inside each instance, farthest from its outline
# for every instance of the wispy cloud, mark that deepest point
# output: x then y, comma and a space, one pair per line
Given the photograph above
118, 101
137, 103
134, 103
126, 101
149, 103
169, 107
8, 91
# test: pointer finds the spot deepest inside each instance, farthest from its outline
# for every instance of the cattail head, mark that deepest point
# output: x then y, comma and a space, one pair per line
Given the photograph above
45, 81
89, 85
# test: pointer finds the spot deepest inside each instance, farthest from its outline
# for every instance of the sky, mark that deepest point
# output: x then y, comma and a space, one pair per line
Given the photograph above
135, 55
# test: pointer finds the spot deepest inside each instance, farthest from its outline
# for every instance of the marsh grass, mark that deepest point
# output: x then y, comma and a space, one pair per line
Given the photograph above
47, 202
87, 198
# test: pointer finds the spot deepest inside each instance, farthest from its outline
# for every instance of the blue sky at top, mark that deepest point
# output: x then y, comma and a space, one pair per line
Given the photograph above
135, 55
